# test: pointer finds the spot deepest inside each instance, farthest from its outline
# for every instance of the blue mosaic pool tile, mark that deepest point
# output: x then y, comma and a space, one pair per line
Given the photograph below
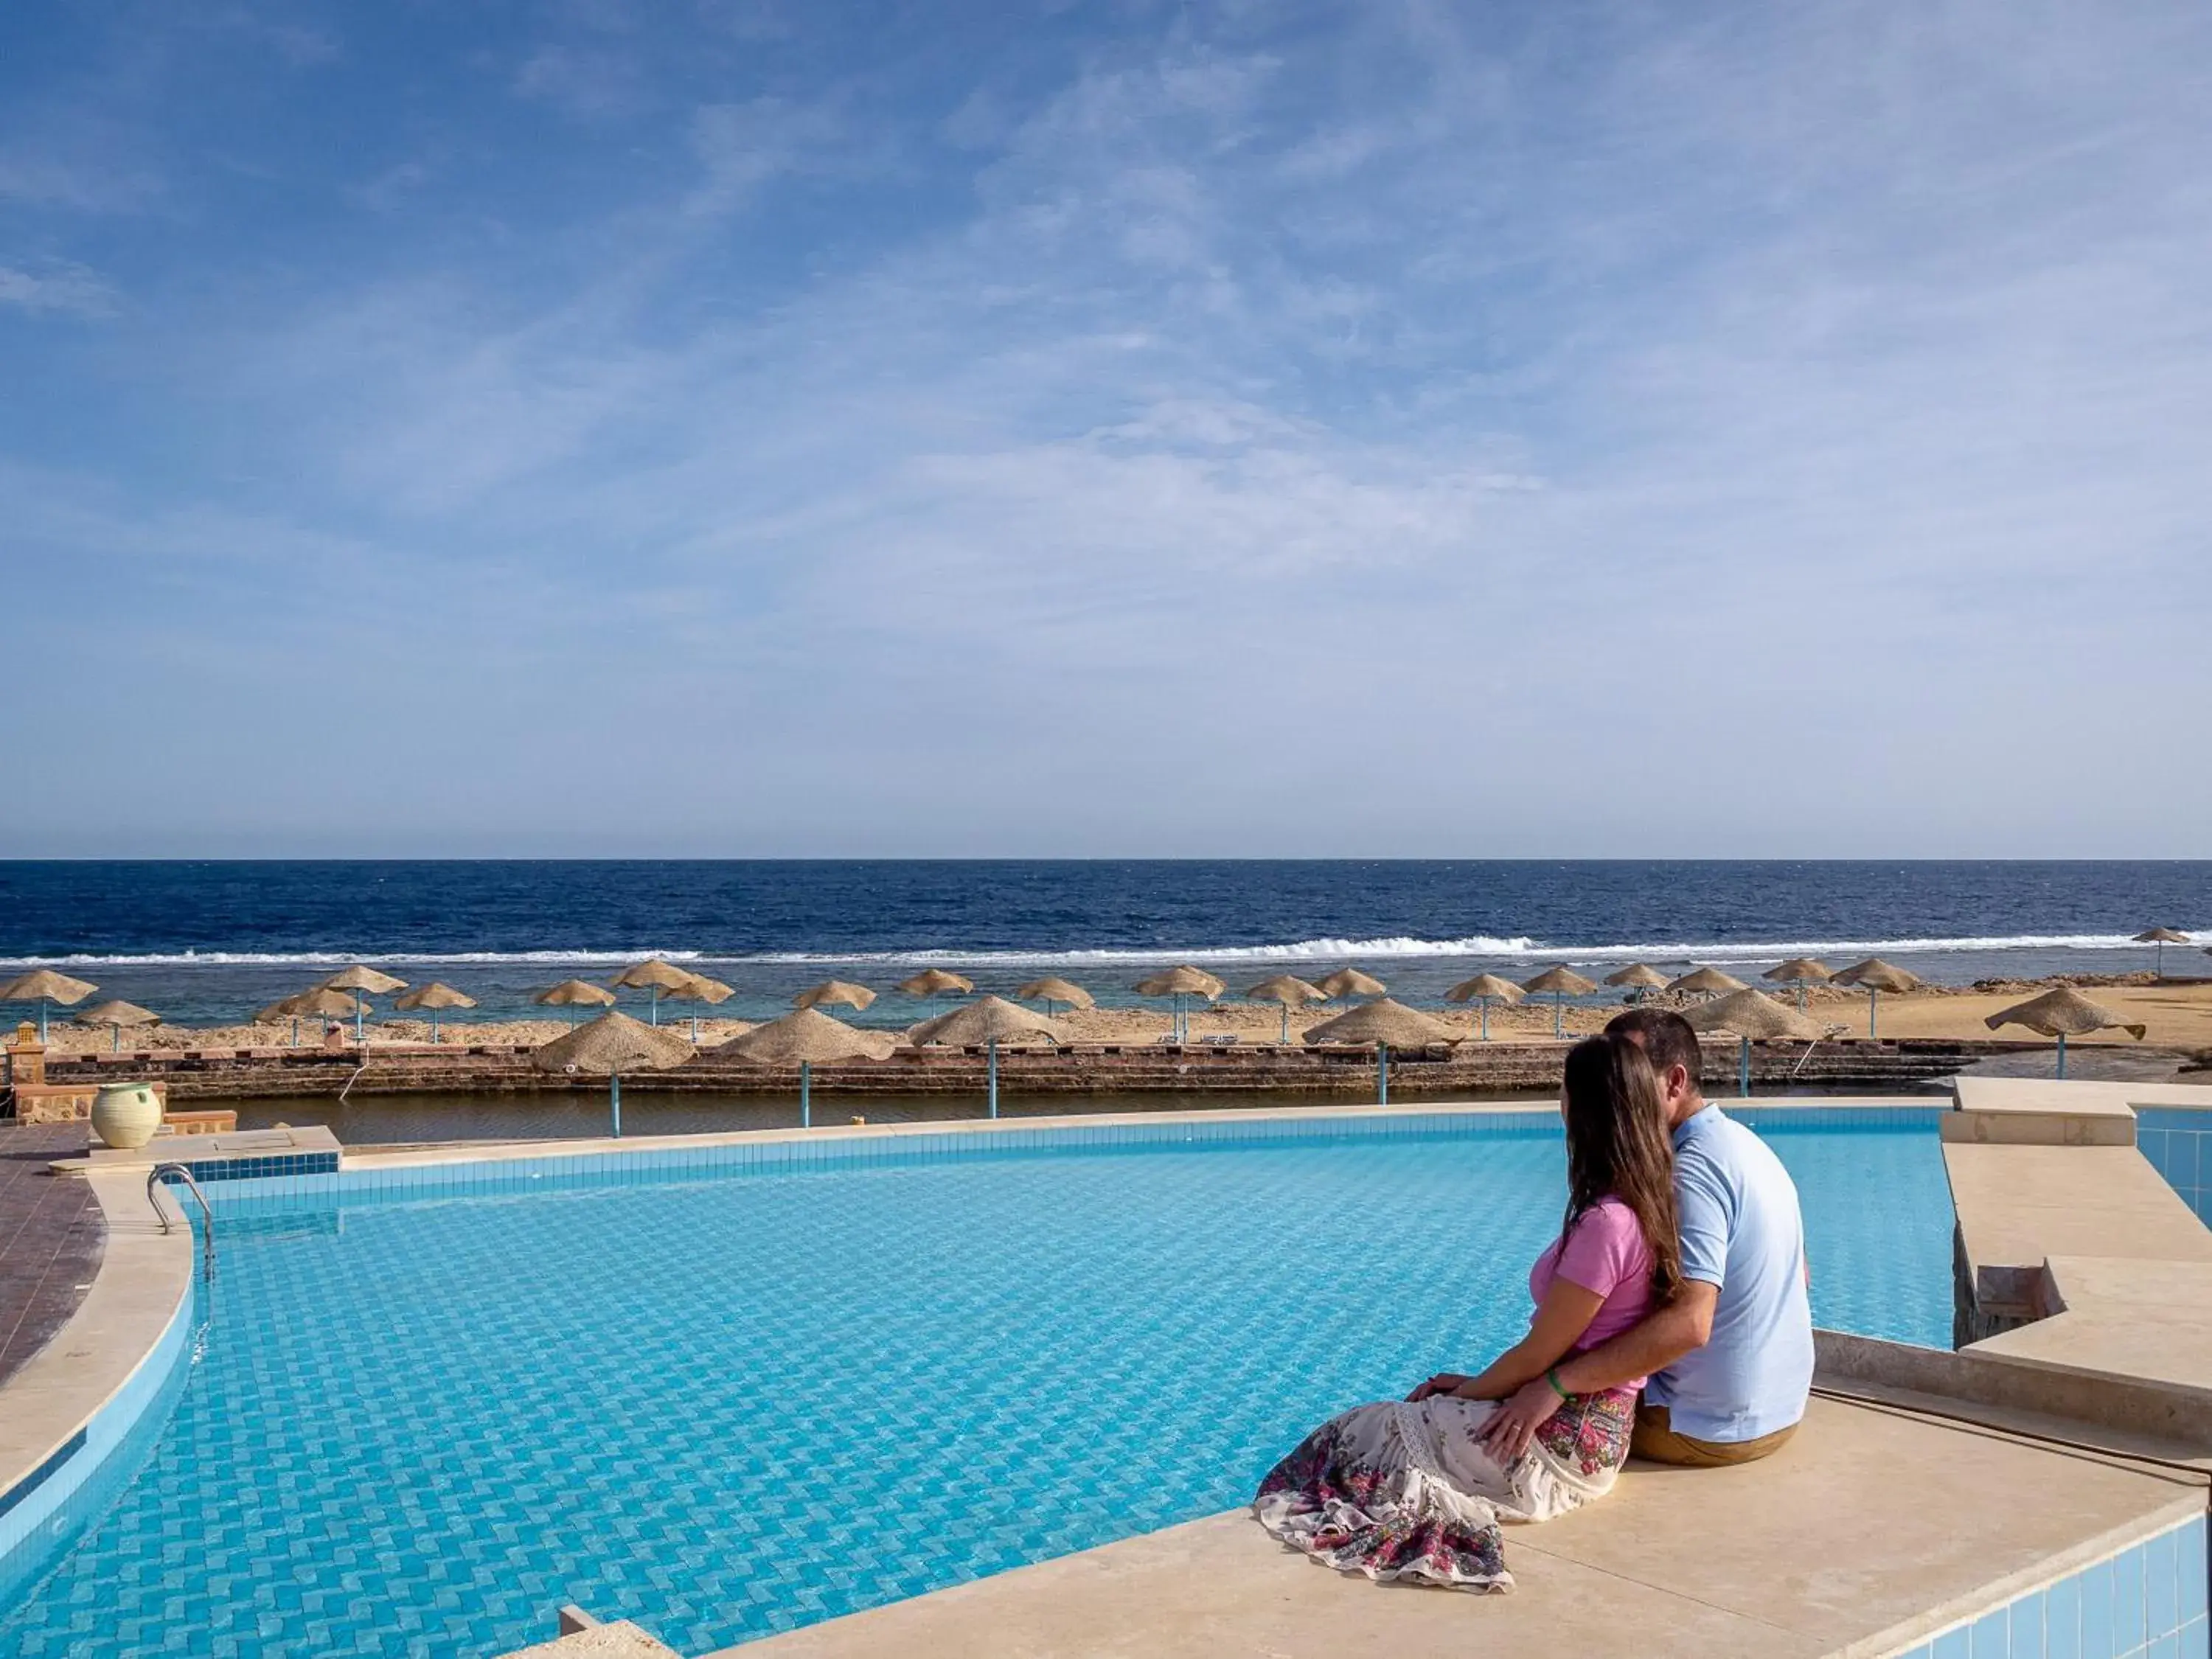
2026, 1620
2173, 1139
1990, 1636
2184, 1155
2061, 1619
2096, 1581
205, 1170
2192, 1566
2162, 1584
2128, 1600
1954, 1644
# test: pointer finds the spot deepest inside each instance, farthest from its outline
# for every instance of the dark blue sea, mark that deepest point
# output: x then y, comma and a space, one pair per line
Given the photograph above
211, 941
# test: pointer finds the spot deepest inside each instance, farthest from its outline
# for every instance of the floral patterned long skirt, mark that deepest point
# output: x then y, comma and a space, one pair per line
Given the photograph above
1407, 1492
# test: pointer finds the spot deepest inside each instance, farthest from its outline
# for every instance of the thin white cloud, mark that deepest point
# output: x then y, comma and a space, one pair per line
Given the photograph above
56, 288
741, 147
386, 191
588, 82
33, 179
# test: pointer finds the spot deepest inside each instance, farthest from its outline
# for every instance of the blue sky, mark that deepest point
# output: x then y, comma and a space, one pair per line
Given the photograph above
741, 428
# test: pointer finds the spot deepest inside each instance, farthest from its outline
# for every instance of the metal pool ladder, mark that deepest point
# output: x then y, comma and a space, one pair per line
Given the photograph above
207, 1212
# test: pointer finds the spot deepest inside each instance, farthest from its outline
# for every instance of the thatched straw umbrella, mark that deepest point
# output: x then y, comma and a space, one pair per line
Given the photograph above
609, 1046
1289, 992
1385, 1020
117, 1015
1638, 979
1874, 976
697, 987
1181, 982
1706, 982
834, 994
1800, 971
1561, 982
358, 978
809, 1037
1384, 1024
2161, 937
2063, 1013
1748, 1014
989, 1021
1483, 989
654, 976
45, 986
317, 1002
1052, 992
574, 993
1350, 982
437, 996
936, 983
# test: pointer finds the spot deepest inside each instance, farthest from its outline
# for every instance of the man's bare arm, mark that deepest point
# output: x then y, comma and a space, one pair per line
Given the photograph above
1683, 1325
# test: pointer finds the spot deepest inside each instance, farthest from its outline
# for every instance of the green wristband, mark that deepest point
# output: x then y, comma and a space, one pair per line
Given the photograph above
1552, 1376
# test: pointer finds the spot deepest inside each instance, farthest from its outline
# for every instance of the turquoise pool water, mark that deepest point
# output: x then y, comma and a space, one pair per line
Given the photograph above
725, 1403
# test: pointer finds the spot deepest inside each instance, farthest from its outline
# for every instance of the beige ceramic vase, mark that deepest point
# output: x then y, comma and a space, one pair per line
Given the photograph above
125, 1115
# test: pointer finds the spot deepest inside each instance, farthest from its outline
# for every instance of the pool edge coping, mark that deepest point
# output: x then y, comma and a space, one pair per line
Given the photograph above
829, 1133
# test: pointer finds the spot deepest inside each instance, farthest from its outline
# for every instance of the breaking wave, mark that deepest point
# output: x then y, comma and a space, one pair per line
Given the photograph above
1521, 948
341, 958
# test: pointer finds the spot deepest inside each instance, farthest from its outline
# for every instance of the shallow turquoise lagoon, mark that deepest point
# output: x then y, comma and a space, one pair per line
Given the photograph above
726, 1403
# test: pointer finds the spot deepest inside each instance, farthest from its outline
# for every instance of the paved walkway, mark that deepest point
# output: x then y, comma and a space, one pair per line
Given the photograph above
50, 1237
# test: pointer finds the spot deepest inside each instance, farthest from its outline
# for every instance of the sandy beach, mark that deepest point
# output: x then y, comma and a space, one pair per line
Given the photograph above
2179, 1015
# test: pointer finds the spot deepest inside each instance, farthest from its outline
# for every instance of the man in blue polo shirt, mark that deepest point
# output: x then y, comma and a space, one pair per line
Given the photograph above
1731, 1358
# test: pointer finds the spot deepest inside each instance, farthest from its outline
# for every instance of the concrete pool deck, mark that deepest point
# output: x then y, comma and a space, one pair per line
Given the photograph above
51, 1238
1674, 1562
2087, 1439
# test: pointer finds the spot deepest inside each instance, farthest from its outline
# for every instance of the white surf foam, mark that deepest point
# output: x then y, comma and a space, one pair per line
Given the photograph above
1397, 947
1521, 948
341, 958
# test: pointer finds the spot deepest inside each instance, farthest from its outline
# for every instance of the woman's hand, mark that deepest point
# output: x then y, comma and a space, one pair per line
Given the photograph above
1512, 1427
1441, 1383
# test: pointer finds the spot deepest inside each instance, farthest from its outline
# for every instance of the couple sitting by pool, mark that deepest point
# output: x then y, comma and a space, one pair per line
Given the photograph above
1679, 1274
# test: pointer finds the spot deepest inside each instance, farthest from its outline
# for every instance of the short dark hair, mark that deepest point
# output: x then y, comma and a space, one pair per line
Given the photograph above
1665, 1037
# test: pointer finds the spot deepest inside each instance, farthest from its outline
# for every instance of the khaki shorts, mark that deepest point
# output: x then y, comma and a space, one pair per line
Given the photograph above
1656, 1441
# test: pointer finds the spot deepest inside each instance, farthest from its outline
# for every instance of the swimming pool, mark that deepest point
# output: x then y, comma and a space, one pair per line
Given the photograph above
727, 1400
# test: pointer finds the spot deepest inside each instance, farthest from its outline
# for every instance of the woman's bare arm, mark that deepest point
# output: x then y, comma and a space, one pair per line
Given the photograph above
1686, 1322
1561, 1318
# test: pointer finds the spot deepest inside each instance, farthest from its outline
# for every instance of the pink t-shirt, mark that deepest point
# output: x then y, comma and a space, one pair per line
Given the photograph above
1605, 1254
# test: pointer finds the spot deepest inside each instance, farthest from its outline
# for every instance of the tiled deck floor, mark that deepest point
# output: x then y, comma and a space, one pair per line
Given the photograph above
50, 1237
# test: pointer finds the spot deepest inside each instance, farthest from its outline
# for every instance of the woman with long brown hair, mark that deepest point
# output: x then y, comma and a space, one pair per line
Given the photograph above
1406, 1489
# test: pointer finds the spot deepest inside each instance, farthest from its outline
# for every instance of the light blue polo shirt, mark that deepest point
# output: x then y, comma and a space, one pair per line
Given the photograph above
1742, 1233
